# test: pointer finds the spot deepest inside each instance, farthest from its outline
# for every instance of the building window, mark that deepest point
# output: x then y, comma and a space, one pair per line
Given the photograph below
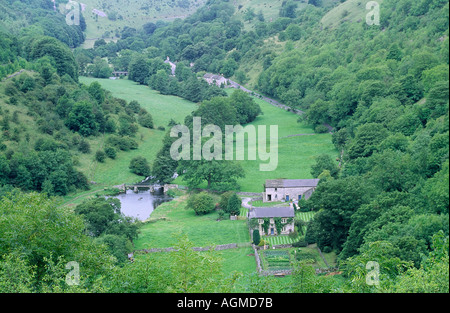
260, 221
283, 220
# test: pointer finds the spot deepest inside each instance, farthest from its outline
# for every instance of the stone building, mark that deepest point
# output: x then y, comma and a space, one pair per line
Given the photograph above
288, 189
285, 213
215, 79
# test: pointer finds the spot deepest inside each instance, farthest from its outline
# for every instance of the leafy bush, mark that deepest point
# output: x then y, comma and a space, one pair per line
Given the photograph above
221, 214
84, 146
224, 198
145, 120
293, 234
201, 203
321, 129
110, 152
122, 143
100, 156
139, 166
300, 243
234, 205
256, 237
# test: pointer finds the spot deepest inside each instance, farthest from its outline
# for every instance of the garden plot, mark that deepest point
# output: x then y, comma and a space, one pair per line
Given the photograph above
275, 260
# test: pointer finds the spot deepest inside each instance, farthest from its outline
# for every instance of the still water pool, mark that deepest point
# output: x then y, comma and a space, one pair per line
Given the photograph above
141, 204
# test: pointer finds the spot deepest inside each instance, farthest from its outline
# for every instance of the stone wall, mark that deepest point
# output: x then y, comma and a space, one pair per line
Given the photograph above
217, 248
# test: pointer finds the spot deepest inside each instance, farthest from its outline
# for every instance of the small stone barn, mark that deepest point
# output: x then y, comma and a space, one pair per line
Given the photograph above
288, 189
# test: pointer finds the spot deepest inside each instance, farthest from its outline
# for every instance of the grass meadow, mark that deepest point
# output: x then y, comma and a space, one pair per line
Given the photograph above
295, 153
297, 143
171, 218
350, 10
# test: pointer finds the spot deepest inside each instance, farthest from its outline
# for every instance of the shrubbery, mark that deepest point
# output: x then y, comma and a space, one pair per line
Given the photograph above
201, 203
256, 237
140, 166
100, 156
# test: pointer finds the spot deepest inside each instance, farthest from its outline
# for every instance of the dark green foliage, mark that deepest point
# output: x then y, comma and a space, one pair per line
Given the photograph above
234, 205
103, 216
127, 125
246, 107
62, 56
119, 246
321, 129
367, 137
256, 237
219, 175
99, 69
324, 162
100, 156
164, 166
224, 199
122, 143
145, 120
45, 253
139, 165
84, 146
82, 119
288, 9
96, 91
202, 203
110, 152
52, 170
139, 70
338, 199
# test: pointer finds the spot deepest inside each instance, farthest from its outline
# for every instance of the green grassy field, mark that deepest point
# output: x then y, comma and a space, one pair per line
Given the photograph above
280, 240
163, 108
295, 154
241, 260
305, 216
350, 10
202, 230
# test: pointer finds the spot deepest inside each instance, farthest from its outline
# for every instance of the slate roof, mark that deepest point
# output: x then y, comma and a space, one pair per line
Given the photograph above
213, 76
291, 183
271, 212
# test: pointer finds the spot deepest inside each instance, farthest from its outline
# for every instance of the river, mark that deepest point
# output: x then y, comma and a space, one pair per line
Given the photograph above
141, 204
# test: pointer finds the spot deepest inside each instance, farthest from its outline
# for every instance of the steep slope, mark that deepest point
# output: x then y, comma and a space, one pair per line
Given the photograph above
106, 19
